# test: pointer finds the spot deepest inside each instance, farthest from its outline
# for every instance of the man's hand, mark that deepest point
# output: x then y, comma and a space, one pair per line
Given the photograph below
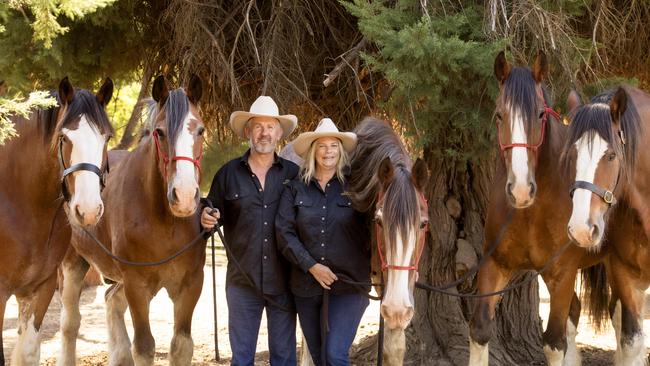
323, 275
209, 218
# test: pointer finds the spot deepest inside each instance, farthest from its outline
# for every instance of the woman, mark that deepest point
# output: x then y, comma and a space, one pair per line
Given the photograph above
322, 236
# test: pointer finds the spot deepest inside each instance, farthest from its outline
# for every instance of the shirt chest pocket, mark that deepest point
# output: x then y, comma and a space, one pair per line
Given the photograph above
237, 201
306, 213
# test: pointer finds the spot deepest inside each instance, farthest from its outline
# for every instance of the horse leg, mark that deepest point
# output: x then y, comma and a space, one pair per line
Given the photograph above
73, 269
32, 309
185, 299
394, 346
491, 278
560, 287
138, 297
119, 345
572, 356
627, 319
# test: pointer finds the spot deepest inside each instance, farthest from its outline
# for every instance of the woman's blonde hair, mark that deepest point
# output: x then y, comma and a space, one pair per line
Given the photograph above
308, 169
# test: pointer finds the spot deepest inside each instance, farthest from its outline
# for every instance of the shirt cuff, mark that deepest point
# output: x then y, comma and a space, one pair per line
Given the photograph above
306, 262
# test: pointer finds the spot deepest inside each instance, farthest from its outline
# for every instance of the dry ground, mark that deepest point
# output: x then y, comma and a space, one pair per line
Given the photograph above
596, 348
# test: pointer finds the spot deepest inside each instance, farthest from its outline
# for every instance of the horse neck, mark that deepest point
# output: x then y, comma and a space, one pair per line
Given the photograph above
30, 154
639, 188
549, 161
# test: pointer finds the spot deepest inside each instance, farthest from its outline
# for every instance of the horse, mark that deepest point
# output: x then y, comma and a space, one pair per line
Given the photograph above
152, 200
386, 184
610, 206
57, 159
531, 141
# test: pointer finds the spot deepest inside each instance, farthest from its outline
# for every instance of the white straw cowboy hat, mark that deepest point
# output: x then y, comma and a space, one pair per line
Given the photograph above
262, 107
326, 128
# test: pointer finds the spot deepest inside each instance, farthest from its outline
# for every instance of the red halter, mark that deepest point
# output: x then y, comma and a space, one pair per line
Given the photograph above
547, 110
419, 245
166, 160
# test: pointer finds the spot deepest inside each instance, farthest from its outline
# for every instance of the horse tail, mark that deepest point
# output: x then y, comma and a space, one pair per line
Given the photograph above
595, 294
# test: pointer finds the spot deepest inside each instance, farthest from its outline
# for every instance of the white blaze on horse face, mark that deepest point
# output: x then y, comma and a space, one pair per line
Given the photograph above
185, 182
581, 223
520, 190
87, 147
397, 306
479, 355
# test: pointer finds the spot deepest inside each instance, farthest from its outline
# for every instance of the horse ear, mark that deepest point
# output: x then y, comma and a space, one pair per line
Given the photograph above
160, 92
501, 67
618, 105
194, 89
573, 101
540, 67
105, 92
420, 174
66, 91
386, 171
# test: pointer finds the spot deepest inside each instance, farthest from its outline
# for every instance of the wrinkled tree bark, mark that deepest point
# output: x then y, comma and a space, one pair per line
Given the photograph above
439, 331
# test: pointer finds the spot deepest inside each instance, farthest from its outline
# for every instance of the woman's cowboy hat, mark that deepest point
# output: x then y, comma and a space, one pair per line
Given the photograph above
262, 107
326, 128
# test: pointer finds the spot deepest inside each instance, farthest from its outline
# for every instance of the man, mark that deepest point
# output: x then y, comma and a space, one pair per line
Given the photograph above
245, 193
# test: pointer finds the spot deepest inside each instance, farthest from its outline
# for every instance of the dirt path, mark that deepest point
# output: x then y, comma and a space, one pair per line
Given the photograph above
92, 342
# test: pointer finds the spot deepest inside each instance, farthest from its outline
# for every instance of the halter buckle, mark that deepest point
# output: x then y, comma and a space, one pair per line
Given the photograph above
608, 197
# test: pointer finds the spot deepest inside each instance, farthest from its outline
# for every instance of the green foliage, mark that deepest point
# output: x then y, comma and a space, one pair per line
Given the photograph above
119, 109
215, 156
46, 25
16, 106
440, 67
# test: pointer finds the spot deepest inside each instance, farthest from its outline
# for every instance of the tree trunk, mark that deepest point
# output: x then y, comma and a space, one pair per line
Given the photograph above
439, 331
128, 137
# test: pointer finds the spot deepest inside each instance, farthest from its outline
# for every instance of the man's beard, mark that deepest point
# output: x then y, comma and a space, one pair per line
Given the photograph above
264, 148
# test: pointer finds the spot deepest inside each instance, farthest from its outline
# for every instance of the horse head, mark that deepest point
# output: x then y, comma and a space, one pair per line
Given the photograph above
81, 140
178, 139
401, 222
603, 157
521, 115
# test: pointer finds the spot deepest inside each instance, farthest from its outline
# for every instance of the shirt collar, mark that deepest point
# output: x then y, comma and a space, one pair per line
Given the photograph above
244, 158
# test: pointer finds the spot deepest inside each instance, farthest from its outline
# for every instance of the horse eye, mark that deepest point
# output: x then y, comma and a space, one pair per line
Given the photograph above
499, 116
424, 224
108, 138
63, 138
200, 131
160, 133
378, 221
611, 157
541, 115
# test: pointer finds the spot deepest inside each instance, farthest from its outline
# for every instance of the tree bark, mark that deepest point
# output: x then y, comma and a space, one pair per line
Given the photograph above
129, 136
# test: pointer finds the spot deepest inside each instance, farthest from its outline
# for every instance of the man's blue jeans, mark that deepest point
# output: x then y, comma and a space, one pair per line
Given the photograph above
345, 312
244, 318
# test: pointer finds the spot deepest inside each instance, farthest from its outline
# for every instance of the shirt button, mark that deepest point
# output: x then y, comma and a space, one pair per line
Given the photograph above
322, 231
253, 175
323, 207
236, 195
265, 240
265, 206
322, 244
265, 223
301, 202
321, 258
328, 184
264, 257
322, 218
260, 189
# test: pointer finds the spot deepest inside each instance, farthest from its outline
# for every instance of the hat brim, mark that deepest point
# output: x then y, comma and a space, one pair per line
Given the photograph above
238, 121
302, 143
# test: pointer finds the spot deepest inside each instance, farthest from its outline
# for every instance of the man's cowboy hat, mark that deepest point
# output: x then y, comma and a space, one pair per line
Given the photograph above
326, 128
262, 107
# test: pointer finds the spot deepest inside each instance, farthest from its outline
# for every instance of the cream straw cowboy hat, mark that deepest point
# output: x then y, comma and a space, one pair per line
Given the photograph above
326, 128
262, 107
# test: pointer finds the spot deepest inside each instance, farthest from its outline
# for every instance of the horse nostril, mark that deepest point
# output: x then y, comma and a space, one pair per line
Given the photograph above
196, 194
533, 188
80, 216
100, 211
174, 195
509, 188
594, 231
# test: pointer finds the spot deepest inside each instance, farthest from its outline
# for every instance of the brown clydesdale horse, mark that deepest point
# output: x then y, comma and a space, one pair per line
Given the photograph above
531, 142
151, 204
63, 146
386, 184
611, 206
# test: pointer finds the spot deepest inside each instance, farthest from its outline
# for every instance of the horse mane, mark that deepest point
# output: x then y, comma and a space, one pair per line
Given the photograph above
46, 118
376, 141
595, 118
85, 102
519, 91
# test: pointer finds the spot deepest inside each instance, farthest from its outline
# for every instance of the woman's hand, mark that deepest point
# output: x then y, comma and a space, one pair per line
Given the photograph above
209, 218
323, 275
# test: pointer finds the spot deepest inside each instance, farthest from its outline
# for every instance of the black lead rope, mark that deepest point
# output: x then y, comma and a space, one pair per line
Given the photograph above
214, 301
